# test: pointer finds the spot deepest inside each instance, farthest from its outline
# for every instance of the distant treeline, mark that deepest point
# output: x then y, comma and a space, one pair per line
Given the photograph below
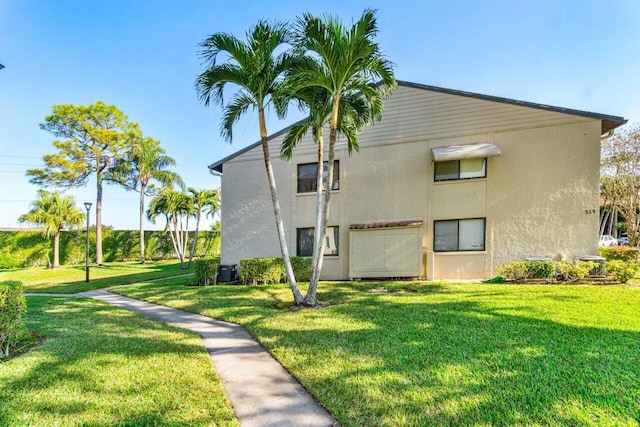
31, 249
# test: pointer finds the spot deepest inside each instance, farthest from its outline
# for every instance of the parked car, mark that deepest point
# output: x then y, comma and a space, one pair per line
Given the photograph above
607, 240
623, 240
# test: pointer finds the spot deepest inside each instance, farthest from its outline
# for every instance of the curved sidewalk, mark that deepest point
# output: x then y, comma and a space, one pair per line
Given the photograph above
261, 391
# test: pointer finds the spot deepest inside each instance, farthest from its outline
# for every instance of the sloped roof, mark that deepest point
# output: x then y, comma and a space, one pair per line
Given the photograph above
608, 122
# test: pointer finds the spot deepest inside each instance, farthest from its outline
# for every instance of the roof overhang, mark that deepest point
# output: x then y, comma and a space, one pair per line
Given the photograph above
467, 151
387, 224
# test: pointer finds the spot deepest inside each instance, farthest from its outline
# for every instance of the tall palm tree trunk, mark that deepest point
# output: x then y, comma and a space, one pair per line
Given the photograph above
56, 250
317, 255
310, 297
177, 242
142, 260
185, 241
297, 296
195, 241
173, 240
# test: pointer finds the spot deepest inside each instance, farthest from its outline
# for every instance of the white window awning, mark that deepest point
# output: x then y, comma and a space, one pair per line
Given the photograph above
467, 151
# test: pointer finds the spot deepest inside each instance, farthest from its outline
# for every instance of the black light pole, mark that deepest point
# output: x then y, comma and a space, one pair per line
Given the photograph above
87, 205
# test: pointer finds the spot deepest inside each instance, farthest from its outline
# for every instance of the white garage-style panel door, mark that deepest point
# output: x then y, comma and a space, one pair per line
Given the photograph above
385, 252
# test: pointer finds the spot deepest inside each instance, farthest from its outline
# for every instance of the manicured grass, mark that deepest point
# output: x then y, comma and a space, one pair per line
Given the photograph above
102, 366
445, 354
71, 279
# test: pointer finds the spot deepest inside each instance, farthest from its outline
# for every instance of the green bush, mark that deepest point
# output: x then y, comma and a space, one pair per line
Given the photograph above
19, 249
261, 270
515, 271
569, 271
13, 305
206, 270
622, 271
271, 270
520, 271
301, 269
540, 269
622, 253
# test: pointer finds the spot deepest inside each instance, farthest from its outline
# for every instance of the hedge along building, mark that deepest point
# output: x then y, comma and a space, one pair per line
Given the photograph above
449, 185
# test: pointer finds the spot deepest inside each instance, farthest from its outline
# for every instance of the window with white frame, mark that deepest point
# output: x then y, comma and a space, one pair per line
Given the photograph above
304, 243
459, 235
307, 176
461, 169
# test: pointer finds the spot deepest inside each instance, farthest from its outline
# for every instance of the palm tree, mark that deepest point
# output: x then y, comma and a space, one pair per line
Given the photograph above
53, 213
207, 201
144, 162
346, 64
257, 70
177, 208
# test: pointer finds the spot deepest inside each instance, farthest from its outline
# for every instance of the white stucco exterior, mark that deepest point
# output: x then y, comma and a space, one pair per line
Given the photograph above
539, 197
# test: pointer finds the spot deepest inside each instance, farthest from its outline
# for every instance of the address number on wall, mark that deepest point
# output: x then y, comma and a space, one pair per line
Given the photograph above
589, 211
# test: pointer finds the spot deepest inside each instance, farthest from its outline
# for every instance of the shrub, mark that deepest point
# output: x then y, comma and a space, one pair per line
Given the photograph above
20, 249
13, 305
540, 269
261, 270
568, 271
622, 271
271, 270
622, 253
206, 270
515, 271
562, 271
301, 268
519, 271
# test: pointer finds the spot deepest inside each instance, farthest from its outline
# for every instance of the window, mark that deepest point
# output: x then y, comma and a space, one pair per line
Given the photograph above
305, 241
307, 176
461, 169
459, 235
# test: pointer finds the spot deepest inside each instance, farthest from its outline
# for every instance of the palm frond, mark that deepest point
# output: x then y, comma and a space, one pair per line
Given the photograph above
294, 136
233, 111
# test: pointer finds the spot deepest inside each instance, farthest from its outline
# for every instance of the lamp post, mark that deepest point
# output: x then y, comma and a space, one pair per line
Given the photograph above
87, 205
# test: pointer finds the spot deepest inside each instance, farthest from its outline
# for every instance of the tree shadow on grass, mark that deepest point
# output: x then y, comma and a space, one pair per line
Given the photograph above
462, 363
103, 366
437, 357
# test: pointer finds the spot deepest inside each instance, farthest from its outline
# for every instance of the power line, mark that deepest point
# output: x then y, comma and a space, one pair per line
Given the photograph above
19, 157
17, 164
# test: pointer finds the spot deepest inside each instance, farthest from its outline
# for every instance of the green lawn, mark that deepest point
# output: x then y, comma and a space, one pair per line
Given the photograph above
445, 354
100, 366
71, 279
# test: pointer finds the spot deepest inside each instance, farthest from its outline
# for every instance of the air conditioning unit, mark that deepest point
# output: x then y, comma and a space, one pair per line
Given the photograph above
599, 270
228, 273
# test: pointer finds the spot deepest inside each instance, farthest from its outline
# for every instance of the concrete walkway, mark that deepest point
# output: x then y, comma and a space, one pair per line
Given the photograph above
261, 391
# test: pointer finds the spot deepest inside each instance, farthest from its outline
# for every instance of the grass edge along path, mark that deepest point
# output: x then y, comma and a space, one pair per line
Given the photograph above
444, 353
100, 365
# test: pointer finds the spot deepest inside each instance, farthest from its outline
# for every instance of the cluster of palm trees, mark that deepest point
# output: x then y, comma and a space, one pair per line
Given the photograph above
143, 165
53, 213
337, 74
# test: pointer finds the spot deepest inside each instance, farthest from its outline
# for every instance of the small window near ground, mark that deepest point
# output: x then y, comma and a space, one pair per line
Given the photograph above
459, 235
307, 173
461, 169
304, 245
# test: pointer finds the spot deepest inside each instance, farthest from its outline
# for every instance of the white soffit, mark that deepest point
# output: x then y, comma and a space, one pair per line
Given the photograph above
467, 151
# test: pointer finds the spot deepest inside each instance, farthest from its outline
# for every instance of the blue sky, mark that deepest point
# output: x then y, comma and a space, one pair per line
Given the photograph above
142, 56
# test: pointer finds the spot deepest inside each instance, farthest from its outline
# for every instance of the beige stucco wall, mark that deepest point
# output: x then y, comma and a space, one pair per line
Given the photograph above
534, 197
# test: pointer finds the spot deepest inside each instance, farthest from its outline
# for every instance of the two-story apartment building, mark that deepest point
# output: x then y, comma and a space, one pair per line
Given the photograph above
449, 184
